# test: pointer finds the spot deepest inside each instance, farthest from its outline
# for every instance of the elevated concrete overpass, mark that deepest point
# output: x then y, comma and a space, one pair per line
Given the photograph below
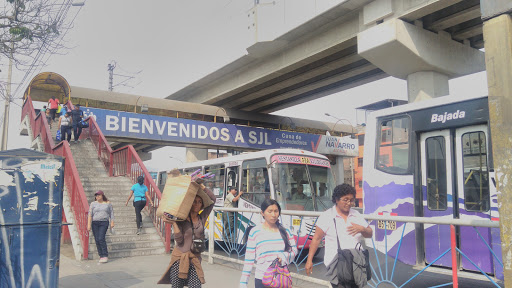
352, 42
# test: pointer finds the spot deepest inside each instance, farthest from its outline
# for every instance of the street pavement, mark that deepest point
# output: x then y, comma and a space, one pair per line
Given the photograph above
142, 271
145, 271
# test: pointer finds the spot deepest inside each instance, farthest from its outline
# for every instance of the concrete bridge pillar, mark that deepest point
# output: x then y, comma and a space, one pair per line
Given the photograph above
426, 85
196, 154
425, 59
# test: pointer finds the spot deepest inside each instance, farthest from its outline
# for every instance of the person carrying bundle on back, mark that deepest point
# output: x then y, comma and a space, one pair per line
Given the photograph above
185, 267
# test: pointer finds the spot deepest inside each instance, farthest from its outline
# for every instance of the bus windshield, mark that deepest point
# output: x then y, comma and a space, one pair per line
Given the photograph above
302, 183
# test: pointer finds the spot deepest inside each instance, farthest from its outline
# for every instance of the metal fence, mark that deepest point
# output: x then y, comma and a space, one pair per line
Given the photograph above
228, 234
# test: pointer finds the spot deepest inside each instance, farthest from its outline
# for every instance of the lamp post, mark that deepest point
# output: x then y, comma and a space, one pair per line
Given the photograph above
351, 159
339, 120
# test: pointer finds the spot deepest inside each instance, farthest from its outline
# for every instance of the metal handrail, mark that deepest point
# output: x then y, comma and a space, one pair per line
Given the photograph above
40, 128
421, 220
100, 142
126, 162
378, 278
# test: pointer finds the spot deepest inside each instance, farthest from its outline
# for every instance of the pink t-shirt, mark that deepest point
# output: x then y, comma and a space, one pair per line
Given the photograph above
326, 223
53, 103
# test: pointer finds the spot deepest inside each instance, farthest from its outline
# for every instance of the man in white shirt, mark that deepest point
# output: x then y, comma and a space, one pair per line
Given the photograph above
229, 217
230, 198
352, 228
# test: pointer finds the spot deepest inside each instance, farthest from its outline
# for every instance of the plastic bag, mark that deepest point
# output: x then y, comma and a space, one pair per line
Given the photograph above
58, 136
84, 124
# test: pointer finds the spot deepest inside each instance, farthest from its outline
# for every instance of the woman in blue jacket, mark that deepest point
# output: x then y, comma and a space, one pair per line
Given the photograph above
140, 194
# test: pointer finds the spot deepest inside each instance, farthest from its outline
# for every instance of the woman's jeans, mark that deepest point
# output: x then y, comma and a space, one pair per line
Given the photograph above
139, 205
99, 229
65, 133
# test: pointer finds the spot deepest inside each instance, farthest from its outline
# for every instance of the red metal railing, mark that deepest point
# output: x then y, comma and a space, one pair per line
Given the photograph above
79, 205
126, 162
104, 151
122, 162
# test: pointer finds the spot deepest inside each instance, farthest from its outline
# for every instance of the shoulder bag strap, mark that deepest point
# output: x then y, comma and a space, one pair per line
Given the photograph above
336, 230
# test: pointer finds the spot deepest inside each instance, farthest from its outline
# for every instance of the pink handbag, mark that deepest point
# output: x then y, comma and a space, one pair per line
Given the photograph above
277, 276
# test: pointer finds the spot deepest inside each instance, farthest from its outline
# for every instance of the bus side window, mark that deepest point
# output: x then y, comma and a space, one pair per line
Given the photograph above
393, 145
255, 183
216, 183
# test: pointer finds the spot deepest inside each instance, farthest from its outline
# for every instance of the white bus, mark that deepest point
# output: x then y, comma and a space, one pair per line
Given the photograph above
274, 174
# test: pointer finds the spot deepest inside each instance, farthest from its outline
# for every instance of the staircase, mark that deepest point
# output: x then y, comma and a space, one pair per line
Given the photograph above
125, 242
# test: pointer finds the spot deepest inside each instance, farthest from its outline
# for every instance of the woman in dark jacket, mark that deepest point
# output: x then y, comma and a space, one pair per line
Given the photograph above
185, 267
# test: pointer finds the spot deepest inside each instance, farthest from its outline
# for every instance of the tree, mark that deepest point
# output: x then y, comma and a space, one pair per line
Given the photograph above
30, 29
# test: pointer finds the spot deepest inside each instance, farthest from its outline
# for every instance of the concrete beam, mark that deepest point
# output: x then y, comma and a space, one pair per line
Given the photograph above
401, 49
416, 9
363, 67
455, 19
300, 51
308, 74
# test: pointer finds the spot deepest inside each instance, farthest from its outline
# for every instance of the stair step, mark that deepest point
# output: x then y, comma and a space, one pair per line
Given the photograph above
130, 253
116, 246
124, 213
145, 219
129, 238
125, 242
132, 224
133, 231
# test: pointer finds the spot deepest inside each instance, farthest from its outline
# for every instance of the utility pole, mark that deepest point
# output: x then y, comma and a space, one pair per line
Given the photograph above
110, 69
5, 130
498, 60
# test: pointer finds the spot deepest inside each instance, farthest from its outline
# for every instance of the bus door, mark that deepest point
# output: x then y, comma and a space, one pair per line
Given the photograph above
474, 196
438, 195
455, 182
232, 177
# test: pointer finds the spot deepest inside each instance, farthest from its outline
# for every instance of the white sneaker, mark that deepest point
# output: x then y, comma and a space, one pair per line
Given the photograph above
103, 260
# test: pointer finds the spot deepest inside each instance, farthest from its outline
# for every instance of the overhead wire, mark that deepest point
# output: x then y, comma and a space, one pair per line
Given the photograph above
61, 16
42, 49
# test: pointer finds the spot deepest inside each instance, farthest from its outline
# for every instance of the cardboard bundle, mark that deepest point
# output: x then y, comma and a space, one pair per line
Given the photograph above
178, 196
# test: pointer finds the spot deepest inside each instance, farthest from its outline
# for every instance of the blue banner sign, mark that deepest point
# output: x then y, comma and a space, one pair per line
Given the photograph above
142, 126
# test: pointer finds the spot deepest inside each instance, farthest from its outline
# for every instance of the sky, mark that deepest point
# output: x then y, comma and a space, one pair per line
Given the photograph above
167, 45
